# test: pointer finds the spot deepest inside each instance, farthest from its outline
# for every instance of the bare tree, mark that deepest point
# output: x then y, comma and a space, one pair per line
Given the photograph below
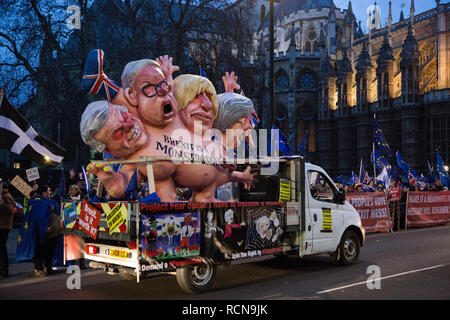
38, 69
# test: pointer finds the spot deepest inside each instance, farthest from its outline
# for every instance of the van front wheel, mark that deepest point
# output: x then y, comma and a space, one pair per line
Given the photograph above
348, 250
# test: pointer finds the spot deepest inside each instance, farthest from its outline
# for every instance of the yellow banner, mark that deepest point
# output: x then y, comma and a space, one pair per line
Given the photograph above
326, 219
285, 190
114, 217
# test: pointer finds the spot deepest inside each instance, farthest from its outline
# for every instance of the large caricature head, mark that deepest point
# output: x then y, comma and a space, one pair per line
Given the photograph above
111, 128
233, 107
234, 113
146, 88
197, 100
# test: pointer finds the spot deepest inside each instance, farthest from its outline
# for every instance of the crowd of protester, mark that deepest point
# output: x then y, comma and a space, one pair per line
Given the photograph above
377, 185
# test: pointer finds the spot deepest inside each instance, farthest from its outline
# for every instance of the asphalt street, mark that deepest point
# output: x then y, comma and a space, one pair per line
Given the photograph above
413, 264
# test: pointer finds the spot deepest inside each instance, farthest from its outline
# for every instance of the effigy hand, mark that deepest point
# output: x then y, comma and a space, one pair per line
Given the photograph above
112, 180
245, 177
167, 68
230, 82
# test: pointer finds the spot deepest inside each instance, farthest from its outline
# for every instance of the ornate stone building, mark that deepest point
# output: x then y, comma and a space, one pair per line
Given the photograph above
331, 79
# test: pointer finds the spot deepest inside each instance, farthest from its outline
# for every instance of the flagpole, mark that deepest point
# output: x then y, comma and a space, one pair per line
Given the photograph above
373, 147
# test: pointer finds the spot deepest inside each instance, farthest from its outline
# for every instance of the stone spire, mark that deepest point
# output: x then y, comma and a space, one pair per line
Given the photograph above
385, 54
344, 64
364, 60
390, 16
410, 51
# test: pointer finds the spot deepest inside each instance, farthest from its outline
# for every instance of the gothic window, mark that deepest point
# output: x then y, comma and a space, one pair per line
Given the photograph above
312, 35
311, 41
281, 112
307, 80
282, 80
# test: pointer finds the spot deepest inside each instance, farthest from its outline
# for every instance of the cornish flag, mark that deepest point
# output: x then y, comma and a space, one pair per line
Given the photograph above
19, 137
95, 80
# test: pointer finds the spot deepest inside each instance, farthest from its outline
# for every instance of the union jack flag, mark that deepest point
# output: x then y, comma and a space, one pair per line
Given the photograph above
412, 179
95, 80
254, 120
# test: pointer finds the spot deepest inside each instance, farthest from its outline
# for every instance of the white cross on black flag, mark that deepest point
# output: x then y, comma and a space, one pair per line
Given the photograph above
19, 137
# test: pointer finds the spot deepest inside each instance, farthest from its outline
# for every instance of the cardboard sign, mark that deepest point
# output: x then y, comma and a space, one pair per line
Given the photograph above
22, 186
114, 217
285, 190
89, 219
32, 174
70, 213
394, 194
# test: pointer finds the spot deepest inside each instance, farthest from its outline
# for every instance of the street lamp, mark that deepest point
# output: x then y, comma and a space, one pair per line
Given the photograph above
272, 66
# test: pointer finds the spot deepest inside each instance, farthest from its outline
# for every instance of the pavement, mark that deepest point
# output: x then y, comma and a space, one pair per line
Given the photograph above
20, 270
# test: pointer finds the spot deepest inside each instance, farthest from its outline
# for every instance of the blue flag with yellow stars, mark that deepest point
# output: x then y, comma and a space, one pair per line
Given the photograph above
131, 193
282, 143
404, 166
379, 139
379, 160
442, 174
34, 227
302, 147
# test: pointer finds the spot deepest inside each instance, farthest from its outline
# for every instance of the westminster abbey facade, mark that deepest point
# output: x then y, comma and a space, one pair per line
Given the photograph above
331, 79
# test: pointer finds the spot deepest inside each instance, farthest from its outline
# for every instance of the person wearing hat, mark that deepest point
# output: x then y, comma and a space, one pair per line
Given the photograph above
6, 224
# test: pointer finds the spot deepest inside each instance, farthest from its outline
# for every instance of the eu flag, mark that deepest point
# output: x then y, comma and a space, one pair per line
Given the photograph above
379, 160
34, 227
202, 72
352, 180
282, 142
132, 190
62, 186
404, 166
442, 174
303, 145
379, 139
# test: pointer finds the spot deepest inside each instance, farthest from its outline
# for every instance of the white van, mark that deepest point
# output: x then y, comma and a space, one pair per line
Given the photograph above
297, 211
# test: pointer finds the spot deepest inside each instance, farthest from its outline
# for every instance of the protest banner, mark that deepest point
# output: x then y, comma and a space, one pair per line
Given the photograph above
373, 210
114, 217
394, 194
285, 190
89, 219
427, 208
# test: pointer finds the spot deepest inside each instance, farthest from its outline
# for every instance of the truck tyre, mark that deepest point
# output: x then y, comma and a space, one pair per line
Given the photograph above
197, 278
127, 273
348, 250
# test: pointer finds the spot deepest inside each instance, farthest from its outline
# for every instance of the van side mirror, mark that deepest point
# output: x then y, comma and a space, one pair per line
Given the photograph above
340, 196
